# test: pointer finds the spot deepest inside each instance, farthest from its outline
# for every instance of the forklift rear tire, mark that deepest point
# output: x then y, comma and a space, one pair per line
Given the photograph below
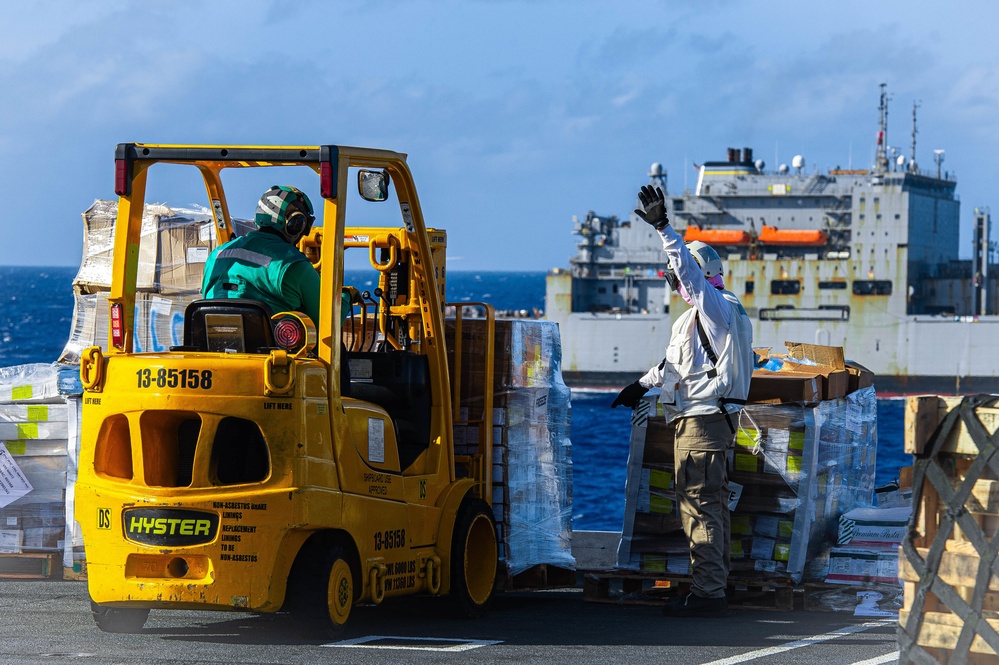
474, 559
118, 619
339, 589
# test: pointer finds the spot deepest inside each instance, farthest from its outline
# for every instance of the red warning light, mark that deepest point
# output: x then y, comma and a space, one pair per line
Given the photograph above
117, 326
289, 334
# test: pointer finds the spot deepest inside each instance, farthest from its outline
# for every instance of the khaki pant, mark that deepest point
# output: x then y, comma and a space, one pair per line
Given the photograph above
701, 450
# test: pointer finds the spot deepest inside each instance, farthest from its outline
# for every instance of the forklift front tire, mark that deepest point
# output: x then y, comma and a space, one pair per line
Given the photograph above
474, 559
118, 619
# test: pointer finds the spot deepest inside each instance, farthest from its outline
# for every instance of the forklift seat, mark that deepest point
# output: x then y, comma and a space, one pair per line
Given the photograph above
228, 325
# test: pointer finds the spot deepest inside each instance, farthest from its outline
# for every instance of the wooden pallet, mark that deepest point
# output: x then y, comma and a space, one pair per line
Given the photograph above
948, 562
630, 588
541, 576
77, 573
29, 565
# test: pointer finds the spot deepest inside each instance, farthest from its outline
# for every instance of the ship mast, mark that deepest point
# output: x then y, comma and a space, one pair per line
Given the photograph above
881, 159
912, 155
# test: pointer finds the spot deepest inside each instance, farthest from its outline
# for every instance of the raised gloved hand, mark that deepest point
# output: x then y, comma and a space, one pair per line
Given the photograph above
630, 396
653, 209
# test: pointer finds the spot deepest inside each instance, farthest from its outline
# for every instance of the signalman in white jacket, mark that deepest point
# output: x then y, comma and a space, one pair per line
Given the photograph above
704, 380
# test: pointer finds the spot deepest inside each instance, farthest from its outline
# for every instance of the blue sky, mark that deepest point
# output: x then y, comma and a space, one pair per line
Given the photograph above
515, 115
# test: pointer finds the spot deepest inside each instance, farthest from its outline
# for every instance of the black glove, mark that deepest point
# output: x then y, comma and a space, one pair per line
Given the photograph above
653, 208
630, 396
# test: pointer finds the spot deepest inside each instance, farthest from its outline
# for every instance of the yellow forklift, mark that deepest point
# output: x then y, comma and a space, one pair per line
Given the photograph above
272, 461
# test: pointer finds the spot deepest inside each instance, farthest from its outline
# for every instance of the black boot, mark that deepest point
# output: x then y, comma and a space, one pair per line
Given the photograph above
692, 605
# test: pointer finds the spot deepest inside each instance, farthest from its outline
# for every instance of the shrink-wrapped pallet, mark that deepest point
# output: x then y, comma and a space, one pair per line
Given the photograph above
35, 437
794, 469
158, 322
173, 248
532, 452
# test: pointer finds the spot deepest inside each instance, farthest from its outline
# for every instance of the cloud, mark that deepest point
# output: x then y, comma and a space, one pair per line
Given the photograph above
515, 114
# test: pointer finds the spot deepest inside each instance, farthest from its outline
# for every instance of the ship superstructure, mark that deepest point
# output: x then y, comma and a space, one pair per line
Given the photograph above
863, 259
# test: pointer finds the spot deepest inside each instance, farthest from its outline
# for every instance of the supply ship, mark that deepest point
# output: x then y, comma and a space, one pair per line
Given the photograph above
866, 259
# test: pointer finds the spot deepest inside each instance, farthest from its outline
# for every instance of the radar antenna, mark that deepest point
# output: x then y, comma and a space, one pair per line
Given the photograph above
657, 176
881, 159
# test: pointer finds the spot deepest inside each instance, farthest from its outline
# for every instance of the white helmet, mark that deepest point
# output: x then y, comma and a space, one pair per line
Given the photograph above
706, 257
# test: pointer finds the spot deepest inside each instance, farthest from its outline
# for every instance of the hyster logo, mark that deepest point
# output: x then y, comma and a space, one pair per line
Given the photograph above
175, 528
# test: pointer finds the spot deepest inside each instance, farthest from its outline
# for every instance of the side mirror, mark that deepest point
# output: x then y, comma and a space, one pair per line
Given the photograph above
373, 185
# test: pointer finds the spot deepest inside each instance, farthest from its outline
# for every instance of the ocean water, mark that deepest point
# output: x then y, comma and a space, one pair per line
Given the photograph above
36, 312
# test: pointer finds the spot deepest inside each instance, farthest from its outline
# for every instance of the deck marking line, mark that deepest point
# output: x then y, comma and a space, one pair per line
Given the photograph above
797, 644
365, 643
878, 660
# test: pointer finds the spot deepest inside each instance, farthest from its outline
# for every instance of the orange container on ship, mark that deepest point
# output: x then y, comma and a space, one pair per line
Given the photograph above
771, 235
716, 236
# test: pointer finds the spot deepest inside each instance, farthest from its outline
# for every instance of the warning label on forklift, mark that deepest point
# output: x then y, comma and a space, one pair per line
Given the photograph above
231, 537
407, 217
401, 575
376, 440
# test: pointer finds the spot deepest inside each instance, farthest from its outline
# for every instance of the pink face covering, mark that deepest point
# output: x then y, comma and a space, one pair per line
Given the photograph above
717, 281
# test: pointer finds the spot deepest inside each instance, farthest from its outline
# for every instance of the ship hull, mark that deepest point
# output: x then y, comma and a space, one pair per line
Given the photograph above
885, 386
909, 355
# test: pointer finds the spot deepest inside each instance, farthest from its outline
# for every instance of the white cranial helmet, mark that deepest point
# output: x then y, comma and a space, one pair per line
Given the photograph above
706, 257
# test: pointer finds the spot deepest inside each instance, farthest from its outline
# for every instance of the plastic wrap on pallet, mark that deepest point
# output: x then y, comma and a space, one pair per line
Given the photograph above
35, 433
649, 537
532, 451
797, 467
158, 322
869, 599
33, 383
74, 558
539, 481
174, 245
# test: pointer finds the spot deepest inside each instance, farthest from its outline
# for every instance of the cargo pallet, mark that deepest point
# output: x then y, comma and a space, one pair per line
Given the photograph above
31, 565
634, 588
540, 576
947, 563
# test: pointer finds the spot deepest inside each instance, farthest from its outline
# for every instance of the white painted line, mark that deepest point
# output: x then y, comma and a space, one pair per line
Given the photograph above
460, 644
797, 644
878, 660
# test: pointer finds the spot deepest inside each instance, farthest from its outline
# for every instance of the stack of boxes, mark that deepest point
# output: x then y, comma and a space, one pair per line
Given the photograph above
798, 464
867, 548
174, 246
37, 424
532, 453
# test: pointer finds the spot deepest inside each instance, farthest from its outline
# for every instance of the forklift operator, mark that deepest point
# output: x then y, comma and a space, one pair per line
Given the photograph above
265, 264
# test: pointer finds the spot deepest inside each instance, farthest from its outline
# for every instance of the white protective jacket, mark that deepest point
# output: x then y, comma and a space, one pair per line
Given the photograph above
690, 383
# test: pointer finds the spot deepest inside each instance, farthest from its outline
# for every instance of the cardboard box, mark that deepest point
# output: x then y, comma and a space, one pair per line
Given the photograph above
11, 541
830, 356
860, 376
835, 382
184, 245
768, 387
98, 245
173, 246
874, 526
854, 565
